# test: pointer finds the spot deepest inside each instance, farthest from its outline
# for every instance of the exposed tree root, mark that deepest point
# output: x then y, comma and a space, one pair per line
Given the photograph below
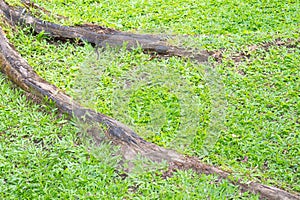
98, 35
131, 145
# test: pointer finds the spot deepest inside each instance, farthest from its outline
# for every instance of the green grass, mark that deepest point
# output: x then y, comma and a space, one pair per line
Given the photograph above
181, 17
258, 139
264, 116
41, 158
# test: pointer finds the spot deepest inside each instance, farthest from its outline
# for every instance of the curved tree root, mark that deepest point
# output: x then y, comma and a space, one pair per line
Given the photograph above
20, 72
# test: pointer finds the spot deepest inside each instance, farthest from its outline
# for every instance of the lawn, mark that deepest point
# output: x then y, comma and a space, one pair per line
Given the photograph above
240, 112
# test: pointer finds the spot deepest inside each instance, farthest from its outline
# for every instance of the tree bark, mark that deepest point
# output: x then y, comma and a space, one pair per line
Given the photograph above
21, 73
99, 36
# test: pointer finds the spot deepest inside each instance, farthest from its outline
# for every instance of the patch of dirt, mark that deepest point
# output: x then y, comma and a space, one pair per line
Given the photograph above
245, 55
238, 57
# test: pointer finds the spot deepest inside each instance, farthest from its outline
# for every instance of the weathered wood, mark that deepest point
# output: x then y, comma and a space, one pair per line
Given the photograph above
98, 35
21, 73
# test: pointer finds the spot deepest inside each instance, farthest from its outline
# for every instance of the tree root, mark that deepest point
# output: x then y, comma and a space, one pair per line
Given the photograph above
21, 73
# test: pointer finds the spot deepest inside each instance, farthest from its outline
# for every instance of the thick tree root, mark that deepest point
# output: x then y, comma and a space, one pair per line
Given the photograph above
99, 36
21, 73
